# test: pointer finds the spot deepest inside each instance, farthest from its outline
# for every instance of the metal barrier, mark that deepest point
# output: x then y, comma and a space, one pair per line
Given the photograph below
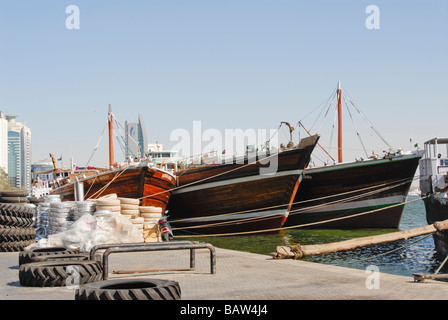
153, 246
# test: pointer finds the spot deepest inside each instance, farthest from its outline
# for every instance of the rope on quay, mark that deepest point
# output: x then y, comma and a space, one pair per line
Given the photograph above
308, 250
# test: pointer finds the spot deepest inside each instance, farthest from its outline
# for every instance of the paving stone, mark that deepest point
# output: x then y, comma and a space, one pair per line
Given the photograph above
239, 276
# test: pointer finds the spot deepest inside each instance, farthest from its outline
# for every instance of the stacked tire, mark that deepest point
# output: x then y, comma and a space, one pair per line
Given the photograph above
40, 254
60, 266
16, 197
16, 227
57, 267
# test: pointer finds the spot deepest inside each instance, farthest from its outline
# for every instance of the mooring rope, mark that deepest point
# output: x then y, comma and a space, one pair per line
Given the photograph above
253, 210
441, 266
91, 185
396, 249
297, 211
303, 225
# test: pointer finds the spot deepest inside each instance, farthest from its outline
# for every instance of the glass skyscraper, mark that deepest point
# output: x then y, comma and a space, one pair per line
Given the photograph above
19, 154
3, 142
136, 140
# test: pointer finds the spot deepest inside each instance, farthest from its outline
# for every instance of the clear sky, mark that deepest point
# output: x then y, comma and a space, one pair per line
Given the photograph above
229, 64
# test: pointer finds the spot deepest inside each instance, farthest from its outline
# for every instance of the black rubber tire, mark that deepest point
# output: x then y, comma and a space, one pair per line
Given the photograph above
56, 274
14, 246
14, 193
134, 289
12, 210
13, 221
14, 199
16, 234
63, 257
33, 254
35, 200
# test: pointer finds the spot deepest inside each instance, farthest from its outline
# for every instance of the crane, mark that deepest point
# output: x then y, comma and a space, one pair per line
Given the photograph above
53, 160
291, 129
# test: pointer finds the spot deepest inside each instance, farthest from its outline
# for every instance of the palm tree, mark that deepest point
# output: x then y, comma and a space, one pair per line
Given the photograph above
4, 180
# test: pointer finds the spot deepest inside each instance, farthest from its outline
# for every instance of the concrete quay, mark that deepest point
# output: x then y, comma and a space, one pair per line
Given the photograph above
239, 276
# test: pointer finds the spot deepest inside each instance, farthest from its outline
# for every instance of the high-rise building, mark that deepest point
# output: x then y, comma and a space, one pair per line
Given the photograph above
136, 140
19, 154
3, 142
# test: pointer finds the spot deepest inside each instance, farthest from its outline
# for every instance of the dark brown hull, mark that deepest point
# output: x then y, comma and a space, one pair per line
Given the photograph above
152, 185
339, 196
437, 211
235, 198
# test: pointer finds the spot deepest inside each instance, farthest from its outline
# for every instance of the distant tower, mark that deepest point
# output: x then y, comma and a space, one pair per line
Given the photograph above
136, 140
3, 142
142, 138
19, 154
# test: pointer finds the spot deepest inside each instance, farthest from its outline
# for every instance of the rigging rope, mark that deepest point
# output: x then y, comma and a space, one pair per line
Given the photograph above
354, 126
301, 125
367, 120
348, 101
324, 103
123, 148
96, 147
128, 135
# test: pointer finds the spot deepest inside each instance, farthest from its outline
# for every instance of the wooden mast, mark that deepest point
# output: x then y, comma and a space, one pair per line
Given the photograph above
339, 124
111, 144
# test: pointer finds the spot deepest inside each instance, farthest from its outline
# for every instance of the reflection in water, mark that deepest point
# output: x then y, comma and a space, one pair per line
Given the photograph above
403, 257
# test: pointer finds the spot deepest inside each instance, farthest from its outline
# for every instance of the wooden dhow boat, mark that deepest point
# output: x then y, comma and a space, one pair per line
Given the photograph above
237, 197
140, 180
366, 193
434, 188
